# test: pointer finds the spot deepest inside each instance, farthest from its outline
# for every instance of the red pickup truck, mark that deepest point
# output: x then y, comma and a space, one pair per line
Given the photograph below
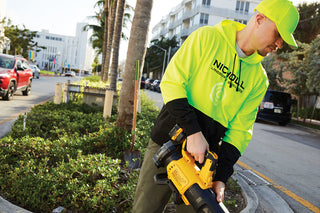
15, 75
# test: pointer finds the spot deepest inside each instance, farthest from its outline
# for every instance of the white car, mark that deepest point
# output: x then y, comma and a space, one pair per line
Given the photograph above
35, 71
70, 73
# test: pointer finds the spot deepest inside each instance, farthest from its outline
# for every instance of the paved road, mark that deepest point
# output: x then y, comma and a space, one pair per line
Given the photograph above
42, 90
286, 159
289, 158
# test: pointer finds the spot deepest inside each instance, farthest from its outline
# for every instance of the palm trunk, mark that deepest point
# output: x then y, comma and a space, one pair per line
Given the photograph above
136, 51
110, 23
116, 45
105, 37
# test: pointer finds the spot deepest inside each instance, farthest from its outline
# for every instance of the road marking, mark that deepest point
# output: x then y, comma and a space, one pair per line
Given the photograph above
22, 112
300, 200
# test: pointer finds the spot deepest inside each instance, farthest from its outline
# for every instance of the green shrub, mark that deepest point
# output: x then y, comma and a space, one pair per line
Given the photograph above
316, 115
69, 155
48, 121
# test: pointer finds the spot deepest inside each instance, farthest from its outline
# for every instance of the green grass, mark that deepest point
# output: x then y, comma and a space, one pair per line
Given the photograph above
47, 72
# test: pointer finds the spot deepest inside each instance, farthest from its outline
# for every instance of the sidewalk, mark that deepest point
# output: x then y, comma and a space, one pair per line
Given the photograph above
260, 198
308, 121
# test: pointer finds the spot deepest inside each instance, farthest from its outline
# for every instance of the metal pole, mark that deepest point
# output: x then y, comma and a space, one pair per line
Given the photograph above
164, 58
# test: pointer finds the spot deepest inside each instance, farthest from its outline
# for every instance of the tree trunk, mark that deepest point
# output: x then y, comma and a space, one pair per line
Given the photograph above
116, 45
105, 36
306, 109
136, 51
111, 20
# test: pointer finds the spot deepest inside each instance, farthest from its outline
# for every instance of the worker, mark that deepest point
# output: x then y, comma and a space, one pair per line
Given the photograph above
212, 88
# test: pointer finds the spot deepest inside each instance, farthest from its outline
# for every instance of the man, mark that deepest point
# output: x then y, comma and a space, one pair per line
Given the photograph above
212, 89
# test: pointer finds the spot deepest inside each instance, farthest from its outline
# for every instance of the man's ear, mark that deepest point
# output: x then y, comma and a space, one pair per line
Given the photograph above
260, 18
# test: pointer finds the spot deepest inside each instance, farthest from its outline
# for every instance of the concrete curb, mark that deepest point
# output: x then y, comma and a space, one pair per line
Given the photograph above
249, 195
7, 207
259, 195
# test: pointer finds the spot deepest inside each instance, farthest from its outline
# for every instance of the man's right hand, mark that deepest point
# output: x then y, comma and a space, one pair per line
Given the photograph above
197, 146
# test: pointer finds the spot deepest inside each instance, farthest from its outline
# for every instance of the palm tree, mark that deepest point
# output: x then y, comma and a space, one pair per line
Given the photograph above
100, 30
136, 51
108, 40
116, 44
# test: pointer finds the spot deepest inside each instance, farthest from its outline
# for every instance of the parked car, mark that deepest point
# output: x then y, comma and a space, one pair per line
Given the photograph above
15, 75
142, 82
70, 74
276, 107
35, 71
155, 86
148, 83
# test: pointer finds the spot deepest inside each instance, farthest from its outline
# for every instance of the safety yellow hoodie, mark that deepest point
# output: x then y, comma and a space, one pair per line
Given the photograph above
206, 82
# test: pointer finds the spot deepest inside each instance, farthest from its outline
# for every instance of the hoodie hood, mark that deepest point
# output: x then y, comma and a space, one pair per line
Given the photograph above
228, 30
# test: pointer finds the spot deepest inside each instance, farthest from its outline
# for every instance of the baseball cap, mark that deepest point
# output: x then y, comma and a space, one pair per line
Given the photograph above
284, 15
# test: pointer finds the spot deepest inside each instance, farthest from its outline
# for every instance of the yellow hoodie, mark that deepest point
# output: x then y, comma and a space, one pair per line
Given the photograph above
208, 72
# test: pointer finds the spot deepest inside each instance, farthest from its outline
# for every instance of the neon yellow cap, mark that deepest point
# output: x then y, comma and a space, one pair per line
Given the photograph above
284, 15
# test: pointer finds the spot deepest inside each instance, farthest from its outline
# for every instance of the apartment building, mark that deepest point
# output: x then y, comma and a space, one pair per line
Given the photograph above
62, 52
189, 15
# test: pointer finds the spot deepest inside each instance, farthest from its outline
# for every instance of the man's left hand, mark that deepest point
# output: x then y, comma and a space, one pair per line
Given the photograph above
219, 187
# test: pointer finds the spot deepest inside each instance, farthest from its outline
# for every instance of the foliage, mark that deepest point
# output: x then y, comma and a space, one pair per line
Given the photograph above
52, 121
97, 36
47, 72
309, 111
308, 26
21, 40
274, 72
312, 61
69, 156
155, 55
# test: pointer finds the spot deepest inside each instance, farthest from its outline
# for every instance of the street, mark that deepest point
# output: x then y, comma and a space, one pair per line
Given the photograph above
289, 156
42, 89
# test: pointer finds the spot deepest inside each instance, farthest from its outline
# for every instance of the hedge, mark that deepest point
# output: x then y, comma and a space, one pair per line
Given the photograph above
68, 155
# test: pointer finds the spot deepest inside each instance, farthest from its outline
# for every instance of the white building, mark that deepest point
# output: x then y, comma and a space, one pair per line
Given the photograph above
63, 52
189, 15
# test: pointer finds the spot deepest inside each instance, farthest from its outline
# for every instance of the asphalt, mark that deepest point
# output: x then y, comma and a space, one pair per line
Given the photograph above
259, 196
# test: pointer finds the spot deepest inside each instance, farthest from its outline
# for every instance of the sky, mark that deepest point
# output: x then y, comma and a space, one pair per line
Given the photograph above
61, 16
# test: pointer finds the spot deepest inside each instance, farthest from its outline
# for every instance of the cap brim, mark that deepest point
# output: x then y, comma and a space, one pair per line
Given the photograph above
288, 38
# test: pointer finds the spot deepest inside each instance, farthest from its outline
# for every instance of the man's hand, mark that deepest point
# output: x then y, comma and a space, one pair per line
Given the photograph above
218, 188
197, 146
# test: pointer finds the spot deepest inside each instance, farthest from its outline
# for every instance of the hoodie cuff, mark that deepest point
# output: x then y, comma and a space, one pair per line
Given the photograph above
227, 157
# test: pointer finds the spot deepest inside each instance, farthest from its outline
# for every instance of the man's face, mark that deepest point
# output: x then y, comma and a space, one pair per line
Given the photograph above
268, 37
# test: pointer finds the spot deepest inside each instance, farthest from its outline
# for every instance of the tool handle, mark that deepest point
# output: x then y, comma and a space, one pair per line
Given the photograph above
135, 101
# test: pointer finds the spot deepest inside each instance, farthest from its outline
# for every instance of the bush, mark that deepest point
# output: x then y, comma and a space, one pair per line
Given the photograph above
69, 155
53, 121
316, 115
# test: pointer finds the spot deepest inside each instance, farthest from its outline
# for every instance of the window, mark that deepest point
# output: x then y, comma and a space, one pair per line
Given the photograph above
206, 2
242, 6
204, 18
241, 21
247, 7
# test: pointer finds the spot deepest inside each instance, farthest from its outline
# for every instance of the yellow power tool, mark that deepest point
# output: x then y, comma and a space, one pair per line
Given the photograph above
189, 181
